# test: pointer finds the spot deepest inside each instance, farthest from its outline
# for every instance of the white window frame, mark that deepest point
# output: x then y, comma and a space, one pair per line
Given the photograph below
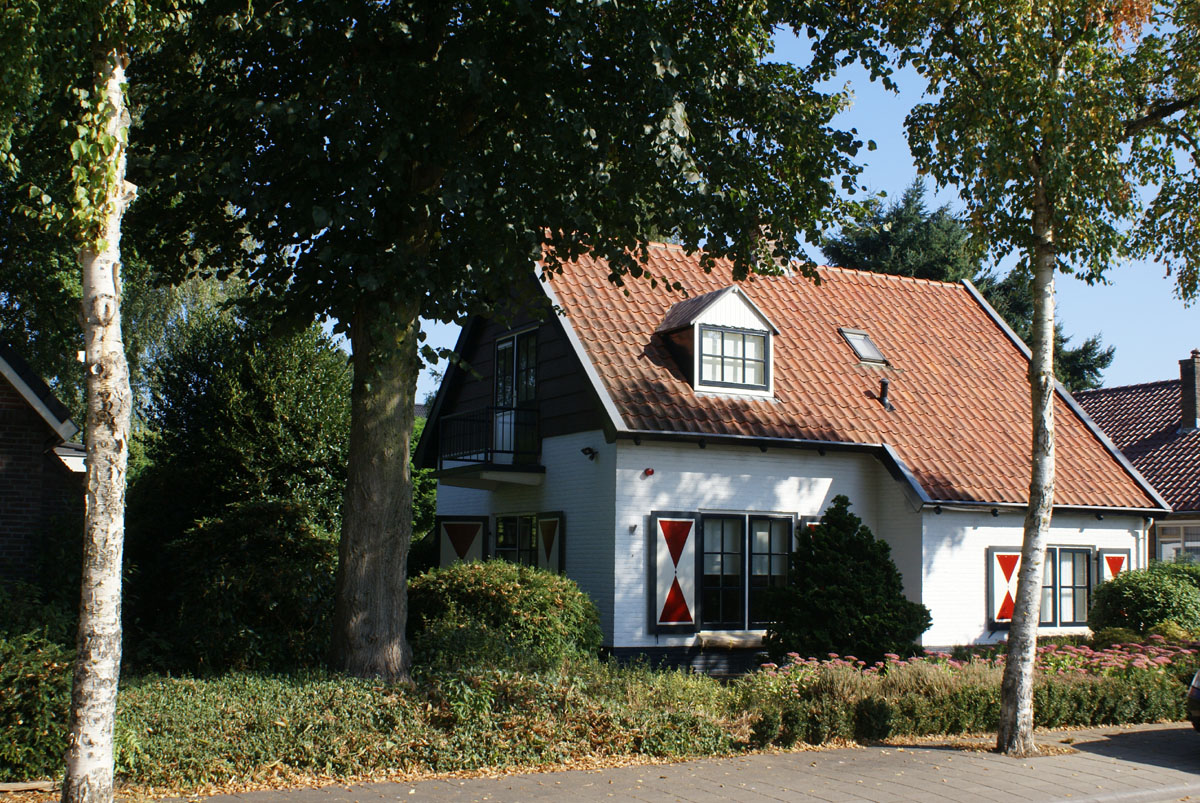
733, 388
1183, 534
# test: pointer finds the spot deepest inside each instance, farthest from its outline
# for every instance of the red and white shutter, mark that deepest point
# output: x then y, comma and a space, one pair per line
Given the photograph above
673, 556
1111, 562
550, 541
461, 539
1004, 565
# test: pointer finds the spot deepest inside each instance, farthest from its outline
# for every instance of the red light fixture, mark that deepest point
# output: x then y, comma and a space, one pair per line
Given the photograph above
648, 472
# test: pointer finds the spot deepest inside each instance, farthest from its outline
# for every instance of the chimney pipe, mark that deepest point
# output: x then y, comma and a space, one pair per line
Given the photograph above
1189, 392
883, 395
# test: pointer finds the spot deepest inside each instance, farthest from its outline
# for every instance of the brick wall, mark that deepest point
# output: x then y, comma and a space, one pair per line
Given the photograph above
35, 487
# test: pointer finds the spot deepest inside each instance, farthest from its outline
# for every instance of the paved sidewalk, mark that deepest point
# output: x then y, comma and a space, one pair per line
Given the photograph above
1134, 763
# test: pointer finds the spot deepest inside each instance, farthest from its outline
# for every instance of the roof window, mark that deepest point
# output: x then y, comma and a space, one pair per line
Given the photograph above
863, 346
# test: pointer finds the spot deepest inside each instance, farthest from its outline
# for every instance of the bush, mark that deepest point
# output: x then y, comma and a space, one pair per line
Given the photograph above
251, 590
28, 612
845, 596
1142, 598
1188, 570
498, 613
35, 676
1108, 636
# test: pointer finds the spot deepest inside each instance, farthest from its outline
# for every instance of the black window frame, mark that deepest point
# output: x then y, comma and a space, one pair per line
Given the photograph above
524, 554
1052, 583
724, 330
744, 588
520, 372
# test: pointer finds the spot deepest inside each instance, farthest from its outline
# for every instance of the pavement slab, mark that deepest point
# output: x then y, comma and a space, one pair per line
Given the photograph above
1125, 764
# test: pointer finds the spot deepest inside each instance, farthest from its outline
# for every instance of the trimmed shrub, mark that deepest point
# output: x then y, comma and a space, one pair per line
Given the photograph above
1172, 633
1108, 636
845, 595
498, 613
35, 676
1188, 570
1142, 598
252, 590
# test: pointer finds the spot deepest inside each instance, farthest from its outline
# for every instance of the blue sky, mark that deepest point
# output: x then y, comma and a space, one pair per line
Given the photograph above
1137, 312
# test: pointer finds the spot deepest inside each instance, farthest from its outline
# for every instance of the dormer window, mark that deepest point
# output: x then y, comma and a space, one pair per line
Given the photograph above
722, 343
733, 357
863, 346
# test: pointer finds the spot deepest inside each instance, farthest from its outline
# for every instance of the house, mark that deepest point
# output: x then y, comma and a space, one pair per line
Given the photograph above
666, 451
40, 468
1157, 426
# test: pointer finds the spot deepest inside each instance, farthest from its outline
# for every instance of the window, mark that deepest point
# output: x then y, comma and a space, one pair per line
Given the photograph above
1178, 541
1066, 587
744, 556
516, 539
733, 358
516, 369
863, 346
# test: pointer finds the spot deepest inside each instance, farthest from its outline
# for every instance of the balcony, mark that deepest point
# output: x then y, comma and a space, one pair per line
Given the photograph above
489, 448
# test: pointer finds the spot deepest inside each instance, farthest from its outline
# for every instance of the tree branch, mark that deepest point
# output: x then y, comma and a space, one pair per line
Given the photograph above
1157, 114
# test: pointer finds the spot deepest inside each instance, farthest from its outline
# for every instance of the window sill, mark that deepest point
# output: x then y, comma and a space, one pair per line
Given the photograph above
730, 639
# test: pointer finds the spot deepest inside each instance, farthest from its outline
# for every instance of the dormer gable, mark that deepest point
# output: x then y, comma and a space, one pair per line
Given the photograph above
723, 342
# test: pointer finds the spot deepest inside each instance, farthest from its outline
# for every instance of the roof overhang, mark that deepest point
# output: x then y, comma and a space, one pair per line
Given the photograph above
64, 427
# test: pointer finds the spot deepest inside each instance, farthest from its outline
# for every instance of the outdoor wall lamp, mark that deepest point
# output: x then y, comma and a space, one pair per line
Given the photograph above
589, 452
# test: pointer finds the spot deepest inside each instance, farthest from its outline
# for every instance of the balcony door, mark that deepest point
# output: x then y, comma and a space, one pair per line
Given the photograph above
516, 389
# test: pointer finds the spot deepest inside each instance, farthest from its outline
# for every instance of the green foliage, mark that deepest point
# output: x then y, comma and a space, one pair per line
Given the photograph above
1172, 632
1107, 637
1183, 569
252, 589
35, 675
27, 611
845, 595
240, 412
424, 492
498, 613
907, 239
1141, 598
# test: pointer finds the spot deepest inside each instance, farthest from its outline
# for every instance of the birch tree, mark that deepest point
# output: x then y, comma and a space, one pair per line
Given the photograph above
377, 163
1070, 129
78, 52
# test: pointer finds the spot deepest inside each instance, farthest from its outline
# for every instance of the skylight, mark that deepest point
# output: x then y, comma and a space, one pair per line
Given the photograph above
863, 346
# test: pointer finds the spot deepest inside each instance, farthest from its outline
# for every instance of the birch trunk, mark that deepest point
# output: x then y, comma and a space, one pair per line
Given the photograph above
1015, 737
371, 609
89, 770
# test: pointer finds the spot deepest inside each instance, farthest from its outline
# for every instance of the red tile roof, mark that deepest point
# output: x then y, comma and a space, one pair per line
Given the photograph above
1143, 421
961, 421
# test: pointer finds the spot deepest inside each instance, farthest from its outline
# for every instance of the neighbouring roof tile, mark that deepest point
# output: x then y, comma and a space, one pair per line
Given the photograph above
1143, 421
961, 417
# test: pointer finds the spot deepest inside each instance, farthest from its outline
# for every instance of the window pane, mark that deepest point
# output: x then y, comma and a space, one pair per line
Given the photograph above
733, 538
779, 566
1067, 606
733, 565
731, 604
754, 347
712, 564
710, 369
733, 344
761, 538
779, 536
1081, 569
1047, 605
760, 565
712, 535
733, 371
710, 342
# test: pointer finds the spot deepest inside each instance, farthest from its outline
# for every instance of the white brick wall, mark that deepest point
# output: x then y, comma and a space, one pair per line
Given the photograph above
738, 479
955, 564
582, 489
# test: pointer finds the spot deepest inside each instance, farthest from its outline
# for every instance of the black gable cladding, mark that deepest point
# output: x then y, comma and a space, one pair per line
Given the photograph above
566, 400
36, 384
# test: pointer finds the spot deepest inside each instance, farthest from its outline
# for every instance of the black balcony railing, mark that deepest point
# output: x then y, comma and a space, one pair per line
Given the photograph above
496, 435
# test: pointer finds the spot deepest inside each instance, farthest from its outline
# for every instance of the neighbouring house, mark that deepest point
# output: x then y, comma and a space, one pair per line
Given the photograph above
40, 468
1157, 426
666, 451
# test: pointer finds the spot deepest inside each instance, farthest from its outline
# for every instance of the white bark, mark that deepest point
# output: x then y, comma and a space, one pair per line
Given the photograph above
1015, 735
89, 771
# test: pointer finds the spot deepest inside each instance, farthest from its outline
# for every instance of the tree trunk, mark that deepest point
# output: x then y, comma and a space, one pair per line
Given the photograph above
372, 594
89, 772
1015, 737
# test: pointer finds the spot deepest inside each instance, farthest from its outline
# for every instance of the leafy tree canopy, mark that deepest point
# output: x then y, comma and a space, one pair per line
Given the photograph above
906, 238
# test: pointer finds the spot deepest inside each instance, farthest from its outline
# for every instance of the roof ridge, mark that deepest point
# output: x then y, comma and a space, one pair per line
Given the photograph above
1115, 388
